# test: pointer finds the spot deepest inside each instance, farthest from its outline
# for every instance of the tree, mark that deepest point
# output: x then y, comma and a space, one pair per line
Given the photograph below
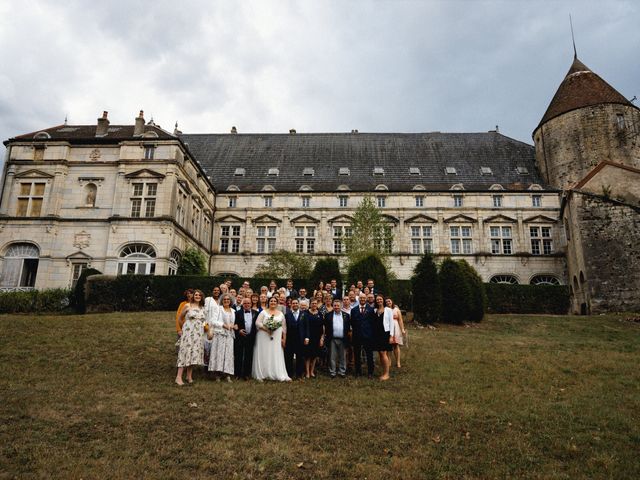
283, 264
370, 234
427, 294
455, 292
325, 269
478, 298
193, 262
368, 267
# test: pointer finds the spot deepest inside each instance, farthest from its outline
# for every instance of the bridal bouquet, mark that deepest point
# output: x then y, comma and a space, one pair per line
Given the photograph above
272, 324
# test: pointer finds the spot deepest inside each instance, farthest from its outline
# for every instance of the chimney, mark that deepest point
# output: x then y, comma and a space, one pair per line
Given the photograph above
234, 130
138, 129
103, 125
292, 131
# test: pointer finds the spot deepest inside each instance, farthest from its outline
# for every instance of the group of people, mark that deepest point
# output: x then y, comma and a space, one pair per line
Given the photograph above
281, 334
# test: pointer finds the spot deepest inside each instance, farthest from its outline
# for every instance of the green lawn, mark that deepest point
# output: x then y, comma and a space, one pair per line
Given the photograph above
515, 397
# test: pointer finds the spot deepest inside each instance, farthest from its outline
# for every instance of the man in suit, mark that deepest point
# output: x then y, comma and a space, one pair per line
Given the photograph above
290, 292
371, 286
362, 320
245, 339
337, 327
295, 340
335, 293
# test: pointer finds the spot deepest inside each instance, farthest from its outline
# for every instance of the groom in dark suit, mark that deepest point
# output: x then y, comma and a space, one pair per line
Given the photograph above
295, 340
245, 339
337, 327
362, 321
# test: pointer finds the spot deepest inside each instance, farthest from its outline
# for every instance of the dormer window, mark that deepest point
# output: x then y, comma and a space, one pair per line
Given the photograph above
523, 170
308, 172
450, 171
149, 152
344, 171
240, 172
414, 171
273, 172
378, 171
485, 171
620, 121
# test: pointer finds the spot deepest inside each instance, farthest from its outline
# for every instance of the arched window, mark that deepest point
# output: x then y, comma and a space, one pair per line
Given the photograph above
545, 280
510, 279
20, 266
174, 262
137, 259
90, 193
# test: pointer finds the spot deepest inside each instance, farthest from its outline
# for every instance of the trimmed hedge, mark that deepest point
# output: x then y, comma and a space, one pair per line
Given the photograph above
54, 300
505, 298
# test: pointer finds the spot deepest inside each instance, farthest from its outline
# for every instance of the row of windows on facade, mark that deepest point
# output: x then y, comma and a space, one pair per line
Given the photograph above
461, 239
381, 201
376, 171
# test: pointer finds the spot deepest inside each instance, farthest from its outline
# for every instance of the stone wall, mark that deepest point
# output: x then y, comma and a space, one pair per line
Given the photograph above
572, 144
610, 242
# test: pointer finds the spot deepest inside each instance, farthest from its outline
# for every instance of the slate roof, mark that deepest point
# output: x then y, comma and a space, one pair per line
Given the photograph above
87, 134
581, 88
326, 153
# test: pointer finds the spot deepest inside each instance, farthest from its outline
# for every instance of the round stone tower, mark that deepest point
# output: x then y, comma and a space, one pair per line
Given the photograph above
587, 122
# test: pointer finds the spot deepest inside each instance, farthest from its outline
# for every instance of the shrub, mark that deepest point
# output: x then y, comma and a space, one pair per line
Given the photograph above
368, 267
455, 292
427, 301
77, 298
478, 297
505, 298
325, 269
284, 264
400, 292
55, 300
193, 262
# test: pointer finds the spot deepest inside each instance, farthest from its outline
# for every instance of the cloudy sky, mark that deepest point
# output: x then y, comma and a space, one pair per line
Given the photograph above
317, 66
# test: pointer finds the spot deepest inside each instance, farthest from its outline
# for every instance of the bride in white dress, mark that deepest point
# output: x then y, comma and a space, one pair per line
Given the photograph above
268, 353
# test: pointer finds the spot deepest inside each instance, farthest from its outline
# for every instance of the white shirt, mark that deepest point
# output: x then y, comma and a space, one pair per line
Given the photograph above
338, 325
296, 314
248, 321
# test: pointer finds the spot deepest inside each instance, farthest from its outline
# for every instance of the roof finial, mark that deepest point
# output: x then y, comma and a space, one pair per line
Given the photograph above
66, 118
573, 40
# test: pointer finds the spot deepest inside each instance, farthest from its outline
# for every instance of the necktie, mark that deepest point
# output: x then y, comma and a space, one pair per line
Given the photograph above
247, 311
361, 309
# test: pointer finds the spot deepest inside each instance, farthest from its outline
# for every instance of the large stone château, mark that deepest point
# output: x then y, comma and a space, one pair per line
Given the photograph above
129, 199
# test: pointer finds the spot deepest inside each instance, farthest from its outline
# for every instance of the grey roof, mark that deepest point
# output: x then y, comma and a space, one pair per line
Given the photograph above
221, 154
87, 134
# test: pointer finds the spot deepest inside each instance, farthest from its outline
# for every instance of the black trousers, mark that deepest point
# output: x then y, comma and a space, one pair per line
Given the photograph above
357, 356
243, 357
296, 370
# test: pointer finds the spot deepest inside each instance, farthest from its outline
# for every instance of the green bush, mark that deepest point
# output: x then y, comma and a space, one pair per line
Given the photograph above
325, 269
55, 300
505, 298
427, 302
193, 262
456, 292
478, 298
400, 292
77, 298
368, 267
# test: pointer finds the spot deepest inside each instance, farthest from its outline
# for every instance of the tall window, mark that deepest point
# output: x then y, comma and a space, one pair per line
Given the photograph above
20, 266
305, 239
149, 152
266, 239
144, 195
340, 232
306, 202
461, 240
421, 239
268, 202
174, 262
233, 202
497, 201
536, 200
30, 199
457, 200
181, 207
419, 201
541, 242
383, 241
230, 239
381, 201
76, 270
501, 241
137, 259
343, 200
195, 221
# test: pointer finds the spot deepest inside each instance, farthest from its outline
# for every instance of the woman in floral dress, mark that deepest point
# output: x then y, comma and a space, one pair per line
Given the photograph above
191, 342
222, 335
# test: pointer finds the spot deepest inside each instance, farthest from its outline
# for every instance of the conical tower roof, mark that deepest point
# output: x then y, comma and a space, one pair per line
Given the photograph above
581, 88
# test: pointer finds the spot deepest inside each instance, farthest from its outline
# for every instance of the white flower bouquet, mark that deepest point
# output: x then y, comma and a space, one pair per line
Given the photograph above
272, 324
